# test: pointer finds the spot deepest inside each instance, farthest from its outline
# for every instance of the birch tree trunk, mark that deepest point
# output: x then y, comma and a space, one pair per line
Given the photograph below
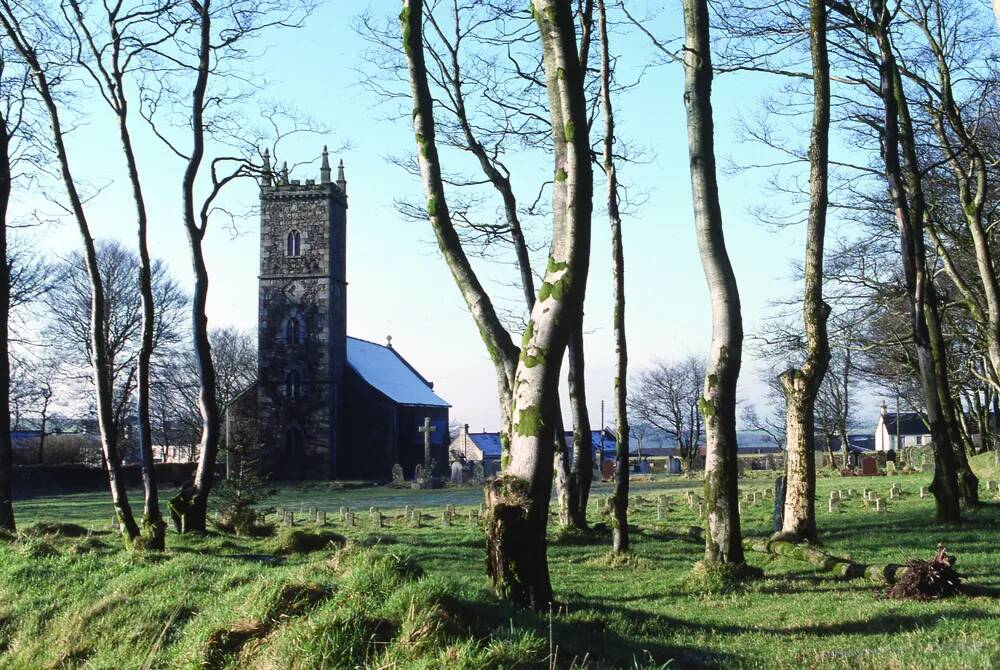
802, 385
723, 541
99, 354
518, 500
7, 522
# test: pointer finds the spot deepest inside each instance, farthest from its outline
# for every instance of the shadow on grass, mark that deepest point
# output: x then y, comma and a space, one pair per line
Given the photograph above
883, 624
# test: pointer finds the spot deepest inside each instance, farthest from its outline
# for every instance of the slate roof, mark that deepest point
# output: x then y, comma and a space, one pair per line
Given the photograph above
388, 372
489, 443
910, 423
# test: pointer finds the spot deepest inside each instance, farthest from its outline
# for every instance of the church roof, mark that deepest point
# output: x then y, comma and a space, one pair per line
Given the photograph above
388, 372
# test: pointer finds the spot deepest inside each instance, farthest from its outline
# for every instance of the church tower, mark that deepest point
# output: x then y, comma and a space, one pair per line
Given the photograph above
302, 320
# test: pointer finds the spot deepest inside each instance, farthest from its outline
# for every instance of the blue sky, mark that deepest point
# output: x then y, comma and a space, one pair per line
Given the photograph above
398, 284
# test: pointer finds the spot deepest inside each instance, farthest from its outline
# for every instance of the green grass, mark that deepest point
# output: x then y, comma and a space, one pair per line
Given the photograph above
403, 597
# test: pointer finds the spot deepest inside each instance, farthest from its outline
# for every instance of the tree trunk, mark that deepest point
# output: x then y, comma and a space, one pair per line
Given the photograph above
557, 310
42, 427
6, 448
723, 541
152, 519
518, 500
99, 353
909, 218
620, 539
582, 474
194, 509
845, 406
563, 476
802, 386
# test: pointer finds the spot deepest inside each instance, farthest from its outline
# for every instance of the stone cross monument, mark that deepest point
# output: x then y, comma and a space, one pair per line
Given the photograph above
427, 429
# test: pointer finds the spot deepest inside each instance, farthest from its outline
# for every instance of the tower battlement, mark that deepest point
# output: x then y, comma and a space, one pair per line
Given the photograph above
277, 184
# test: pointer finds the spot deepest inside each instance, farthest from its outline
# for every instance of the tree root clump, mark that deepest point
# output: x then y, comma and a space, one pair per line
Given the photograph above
927, 580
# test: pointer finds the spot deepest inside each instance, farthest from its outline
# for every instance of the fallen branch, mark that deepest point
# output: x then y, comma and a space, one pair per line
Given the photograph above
822, 561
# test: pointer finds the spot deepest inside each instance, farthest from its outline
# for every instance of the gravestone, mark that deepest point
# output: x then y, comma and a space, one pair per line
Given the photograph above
349, 519
879, 505
607, 470
644, 467
991, 485
321, 517
923, 491
674, 466
397, 475
457, 473
927, 465
779, 504
415, 518
479, 473
343, 513
419, 478
376, 517
890, 468
869, 467
833, 505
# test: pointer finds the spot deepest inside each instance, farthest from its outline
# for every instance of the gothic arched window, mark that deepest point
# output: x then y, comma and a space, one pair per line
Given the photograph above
293, 449
293, 331
294, 244
293, 384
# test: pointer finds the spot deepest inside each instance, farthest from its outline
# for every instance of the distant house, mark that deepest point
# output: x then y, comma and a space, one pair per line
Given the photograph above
896, 431
485, 447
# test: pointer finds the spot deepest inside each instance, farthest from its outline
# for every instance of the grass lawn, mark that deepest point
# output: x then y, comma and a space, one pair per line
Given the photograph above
403, 597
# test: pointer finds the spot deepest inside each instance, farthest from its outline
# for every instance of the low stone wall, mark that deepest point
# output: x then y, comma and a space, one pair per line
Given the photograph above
33, 479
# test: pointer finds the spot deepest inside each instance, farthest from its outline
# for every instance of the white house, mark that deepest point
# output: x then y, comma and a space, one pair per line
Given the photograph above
896, 431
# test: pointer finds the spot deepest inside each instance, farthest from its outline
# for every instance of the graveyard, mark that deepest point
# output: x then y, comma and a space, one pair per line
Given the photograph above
396, 573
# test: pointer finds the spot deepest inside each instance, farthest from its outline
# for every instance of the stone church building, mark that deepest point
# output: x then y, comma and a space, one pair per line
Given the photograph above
326, 405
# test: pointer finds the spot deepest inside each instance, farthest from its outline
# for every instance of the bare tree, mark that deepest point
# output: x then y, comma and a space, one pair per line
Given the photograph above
665, 395
620, 540
8, 127
801, 385
206, 51
518, 500
723, 539
906, 192
107, 48
30, 36
487, 81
